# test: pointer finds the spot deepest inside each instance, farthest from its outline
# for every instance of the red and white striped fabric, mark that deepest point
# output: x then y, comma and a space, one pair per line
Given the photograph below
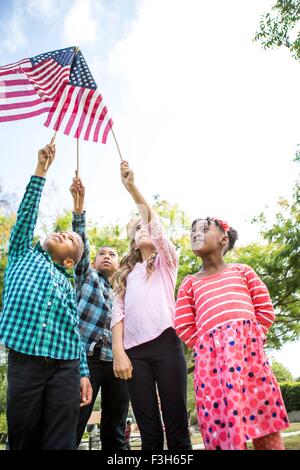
47, 78
18, 96
80, 112
61, 84
237, 293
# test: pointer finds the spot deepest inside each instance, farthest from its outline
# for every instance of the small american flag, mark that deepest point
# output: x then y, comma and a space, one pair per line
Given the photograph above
58, 83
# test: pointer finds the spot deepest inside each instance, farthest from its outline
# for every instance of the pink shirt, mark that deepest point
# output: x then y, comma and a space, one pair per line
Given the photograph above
149, 305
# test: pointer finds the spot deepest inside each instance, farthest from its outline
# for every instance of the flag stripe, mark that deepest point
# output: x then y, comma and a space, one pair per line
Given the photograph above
106, 131
92, 117
51, 74
84, 113
80, 114
25, 104
99, 123
96, 118
47, 88
25, 99
16, 94
17, 117
65, 103
79, 93
16, 65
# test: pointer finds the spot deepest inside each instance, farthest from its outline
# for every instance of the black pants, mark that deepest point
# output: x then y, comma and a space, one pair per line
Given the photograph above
114, 405
43, 398
160, 363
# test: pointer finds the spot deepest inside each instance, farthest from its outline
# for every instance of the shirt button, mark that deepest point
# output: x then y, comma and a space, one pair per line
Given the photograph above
44, 325
49, 303
55, 285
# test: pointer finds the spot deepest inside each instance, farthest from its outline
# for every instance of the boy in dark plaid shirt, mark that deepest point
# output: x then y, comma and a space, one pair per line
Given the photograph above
39, 326
94, 296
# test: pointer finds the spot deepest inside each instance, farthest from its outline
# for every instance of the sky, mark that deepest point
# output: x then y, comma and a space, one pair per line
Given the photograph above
205, 117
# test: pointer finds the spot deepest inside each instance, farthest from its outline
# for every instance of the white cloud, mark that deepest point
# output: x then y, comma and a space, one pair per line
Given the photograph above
13, 32
44, 10
80, 25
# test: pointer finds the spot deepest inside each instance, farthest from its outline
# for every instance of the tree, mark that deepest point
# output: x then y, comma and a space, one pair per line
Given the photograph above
280, 27
282, 373
7, 220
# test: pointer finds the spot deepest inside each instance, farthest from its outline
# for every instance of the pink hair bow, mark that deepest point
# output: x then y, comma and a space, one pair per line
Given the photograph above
225, 226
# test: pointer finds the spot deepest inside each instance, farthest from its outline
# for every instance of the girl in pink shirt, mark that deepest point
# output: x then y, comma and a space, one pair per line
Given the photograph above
146, 350
224, 312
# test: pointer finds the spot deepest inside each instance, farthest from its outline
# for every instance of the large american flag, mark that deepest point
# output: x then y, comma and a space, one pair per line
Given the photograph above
60, 84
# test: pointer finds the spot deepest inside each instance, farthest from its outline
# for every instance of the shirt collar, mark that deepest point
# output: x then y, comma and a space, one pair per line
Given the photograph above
60, 268
102, 276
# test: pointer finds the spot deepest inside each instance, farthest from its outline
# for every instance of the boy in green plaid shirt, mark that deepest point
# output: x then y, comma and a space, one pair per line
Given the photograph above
48, 377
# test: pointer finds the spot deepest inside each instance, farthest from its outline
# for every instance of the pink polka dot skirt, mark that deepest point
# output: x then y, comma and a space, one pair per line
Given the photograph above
237, 395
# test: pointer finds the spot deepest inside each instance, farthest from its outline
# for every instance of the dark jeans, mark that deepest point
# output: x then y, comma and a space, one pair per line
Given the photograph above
160, 363
114, 405
43, 399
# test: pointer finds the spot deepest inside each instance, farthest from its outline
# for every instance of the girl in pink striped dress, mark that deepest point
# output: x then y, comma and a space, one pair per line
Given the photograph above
224, 312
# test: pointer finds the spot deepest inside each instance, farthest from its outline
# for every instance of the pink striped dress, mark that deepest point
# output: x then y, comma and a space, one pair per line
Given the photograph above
224, 318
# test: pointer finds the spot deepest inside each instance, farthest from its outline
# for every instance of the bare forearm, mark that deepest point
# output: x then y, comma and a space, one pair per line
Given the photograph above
117, 338
144, 208
39, 171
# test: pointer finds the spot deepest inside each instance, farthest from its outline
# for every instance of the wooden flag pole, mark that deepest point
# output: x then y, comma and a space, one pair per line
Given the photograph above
51, 143
77, 174
117, 144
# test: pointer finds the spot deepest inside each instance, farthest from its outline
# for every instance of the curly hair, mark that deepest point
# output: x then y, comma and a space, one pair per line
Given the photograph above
128, 263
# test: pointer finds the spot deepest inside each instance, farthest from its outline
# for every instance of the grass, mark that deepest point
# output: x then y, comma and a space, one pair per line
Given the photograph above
293, 427
291, 443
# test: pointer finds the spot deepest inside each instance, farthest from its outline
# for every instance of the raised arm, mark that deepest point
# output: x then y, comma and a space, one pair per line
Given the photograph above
156, 232
127, 178
82, 269
22, 233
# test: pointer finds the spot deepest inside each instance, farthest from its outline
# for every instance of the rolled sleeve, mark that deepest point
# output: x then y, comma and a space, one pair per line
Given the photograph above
161, 242
118, 311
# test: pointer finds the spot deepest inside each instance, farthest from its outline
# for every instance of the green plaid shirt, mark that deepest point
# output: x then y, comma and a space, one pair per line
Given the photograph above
39, 314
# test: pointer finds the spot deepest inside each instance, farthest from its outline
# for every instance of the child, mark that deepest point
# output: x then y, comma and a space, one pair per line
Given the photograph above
224, 312
39, 325
143, 324
94, 298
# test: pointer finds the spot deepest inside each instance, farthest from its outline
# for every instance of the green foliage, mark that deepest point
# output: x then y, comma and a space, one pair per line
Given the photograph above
3, 378
63, 222
280, 27
6, 223
191, 401
282, 373
291, 395
113, 236
3, 424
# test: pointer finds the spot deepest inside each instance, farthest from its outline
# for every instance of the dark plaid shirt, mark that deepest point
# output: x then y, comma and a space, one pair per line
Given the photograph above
39, 315
94, 297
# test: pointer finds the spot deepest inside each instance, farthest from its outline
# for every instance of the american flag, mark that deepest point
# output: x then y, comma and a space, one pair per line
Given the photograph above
58, 83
